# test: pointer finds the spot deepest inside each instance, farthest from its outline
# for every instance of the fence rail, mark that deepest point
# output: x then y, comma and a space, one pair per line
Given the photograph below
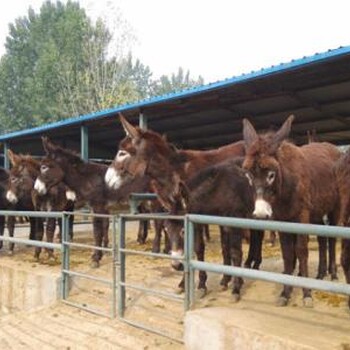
296, 228
119, 252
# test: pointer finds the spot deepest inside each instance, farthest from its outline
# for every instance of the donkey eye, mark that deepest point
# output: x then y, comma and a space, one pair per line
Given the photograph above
44, 169
122, 155
270, 178
14, 179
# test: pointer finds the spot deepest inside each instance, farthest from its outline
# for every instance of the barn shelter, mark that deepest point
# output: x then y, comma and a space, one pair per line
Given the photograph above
315, 88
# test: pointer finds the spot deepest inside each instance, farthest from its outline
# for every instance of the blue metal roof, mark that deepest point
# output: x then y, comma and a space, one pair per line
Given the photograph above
282, 67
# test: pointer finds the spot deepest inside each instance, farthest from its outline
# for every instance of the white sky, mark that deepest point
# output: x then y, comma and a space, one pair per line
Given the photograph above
217, 39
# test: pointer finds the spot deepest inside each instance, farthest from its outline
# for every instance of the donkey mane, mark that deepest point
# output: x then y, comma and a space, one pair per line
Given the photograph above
29, 160
73, 156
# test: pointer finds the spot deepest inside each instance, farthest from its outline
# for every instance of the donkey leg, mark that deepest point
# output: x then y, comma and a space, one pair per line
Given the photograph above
255, 250
236, 256
11, 220
200, 248
302, 253
59, 236
332, 265
322, 257
206, 232
98, 236
157, 236
50, 232
105, 227
225, 250
2, 228
143, 232
71, 224
345, 261
287, 242
167, 242
39, 233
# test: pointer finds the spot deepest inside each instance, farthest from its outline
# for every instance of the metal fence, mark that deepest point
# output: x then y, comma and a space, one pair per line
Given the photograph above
296, 228
65, 249
118, 283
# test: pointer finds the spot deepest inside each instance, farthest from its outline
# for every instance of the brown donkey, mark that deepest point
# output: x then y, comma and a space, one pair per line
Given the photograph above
290, 185
21, 193
86, 179
147, 152
343, 181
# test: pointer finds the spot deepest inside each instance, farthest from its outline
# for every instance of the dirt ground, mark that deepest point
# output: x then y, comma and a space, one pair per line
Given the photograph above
157, 313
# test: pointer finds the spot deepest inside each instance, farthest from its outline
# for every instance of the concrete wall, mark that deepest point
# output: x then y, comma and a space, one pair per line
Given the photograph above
26, 289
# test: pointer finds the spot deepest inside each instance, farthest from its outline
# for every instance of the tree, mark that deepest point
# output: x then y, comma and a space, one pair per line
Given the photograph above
59, 63
176, 82
38, 48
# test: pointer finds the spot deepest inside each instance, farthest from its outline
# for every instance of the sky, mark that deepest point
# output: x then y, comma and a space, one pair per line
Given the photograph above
215, 39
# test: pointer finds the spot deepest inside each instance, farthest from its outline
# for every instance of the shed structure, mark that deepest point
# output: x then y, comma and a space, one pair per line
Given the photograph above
316, 89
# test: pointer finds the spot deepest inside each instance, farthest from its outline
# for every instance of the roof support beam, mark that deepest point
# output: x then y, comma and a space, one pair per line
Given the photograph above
320, 108
84, 142
6, 157
143, 121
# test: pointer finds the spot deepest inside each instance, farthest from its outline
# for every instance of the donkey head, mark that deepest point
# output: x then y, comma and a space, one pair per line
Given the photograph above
50, 175
262, 167
145, 152
24, 170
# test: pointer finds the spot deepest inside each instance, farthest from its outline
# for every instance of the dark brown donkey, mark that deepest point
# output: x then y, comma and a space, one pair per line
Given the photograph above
86, 179
290, 185
19, 192
343, 181
24, 171
149, 153
6, 205
194, 161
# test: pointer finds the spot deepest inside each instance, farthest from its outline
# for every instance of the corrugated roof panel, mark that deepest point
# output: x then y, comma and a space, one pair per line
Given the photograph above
318, 57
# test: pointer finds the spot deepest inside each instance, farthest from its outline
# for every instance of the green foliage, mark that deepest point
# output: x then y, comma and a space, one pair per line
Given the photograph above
59, 64
176, 82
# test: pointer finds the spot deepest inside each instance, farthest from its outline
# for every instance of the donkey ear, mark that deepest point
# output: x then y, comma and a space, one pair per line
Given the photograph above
129, 129
47, 145
14, 158
249, 133
284, 131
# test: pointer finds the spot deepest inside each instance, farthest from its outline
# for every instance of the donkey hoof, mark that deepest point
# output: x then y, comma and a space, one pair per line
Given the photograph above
308, 302
320, 276
334, 277
235, 297
95, 264
179, 290
223, 287
201, 293
282, 301
10, 252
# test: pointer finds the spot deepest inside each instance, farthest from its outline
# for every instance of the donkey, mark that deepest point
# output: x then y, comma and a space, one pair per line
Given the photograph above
86, 179
222, 189
194, 161
5, 205
342, 169
289, 184
150, 154
20, 192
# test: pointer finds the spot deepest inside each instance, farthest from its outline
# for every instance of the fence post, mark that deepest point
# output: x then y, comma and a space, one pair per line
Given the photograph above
114, 267
65, 255
121, 259
189, 271
186, 263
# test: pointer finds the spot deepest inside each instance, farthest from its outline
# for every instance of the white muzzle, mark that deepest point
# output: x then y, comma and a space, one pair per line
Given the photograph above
113, 179
40, 187
262, 209
11, 197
